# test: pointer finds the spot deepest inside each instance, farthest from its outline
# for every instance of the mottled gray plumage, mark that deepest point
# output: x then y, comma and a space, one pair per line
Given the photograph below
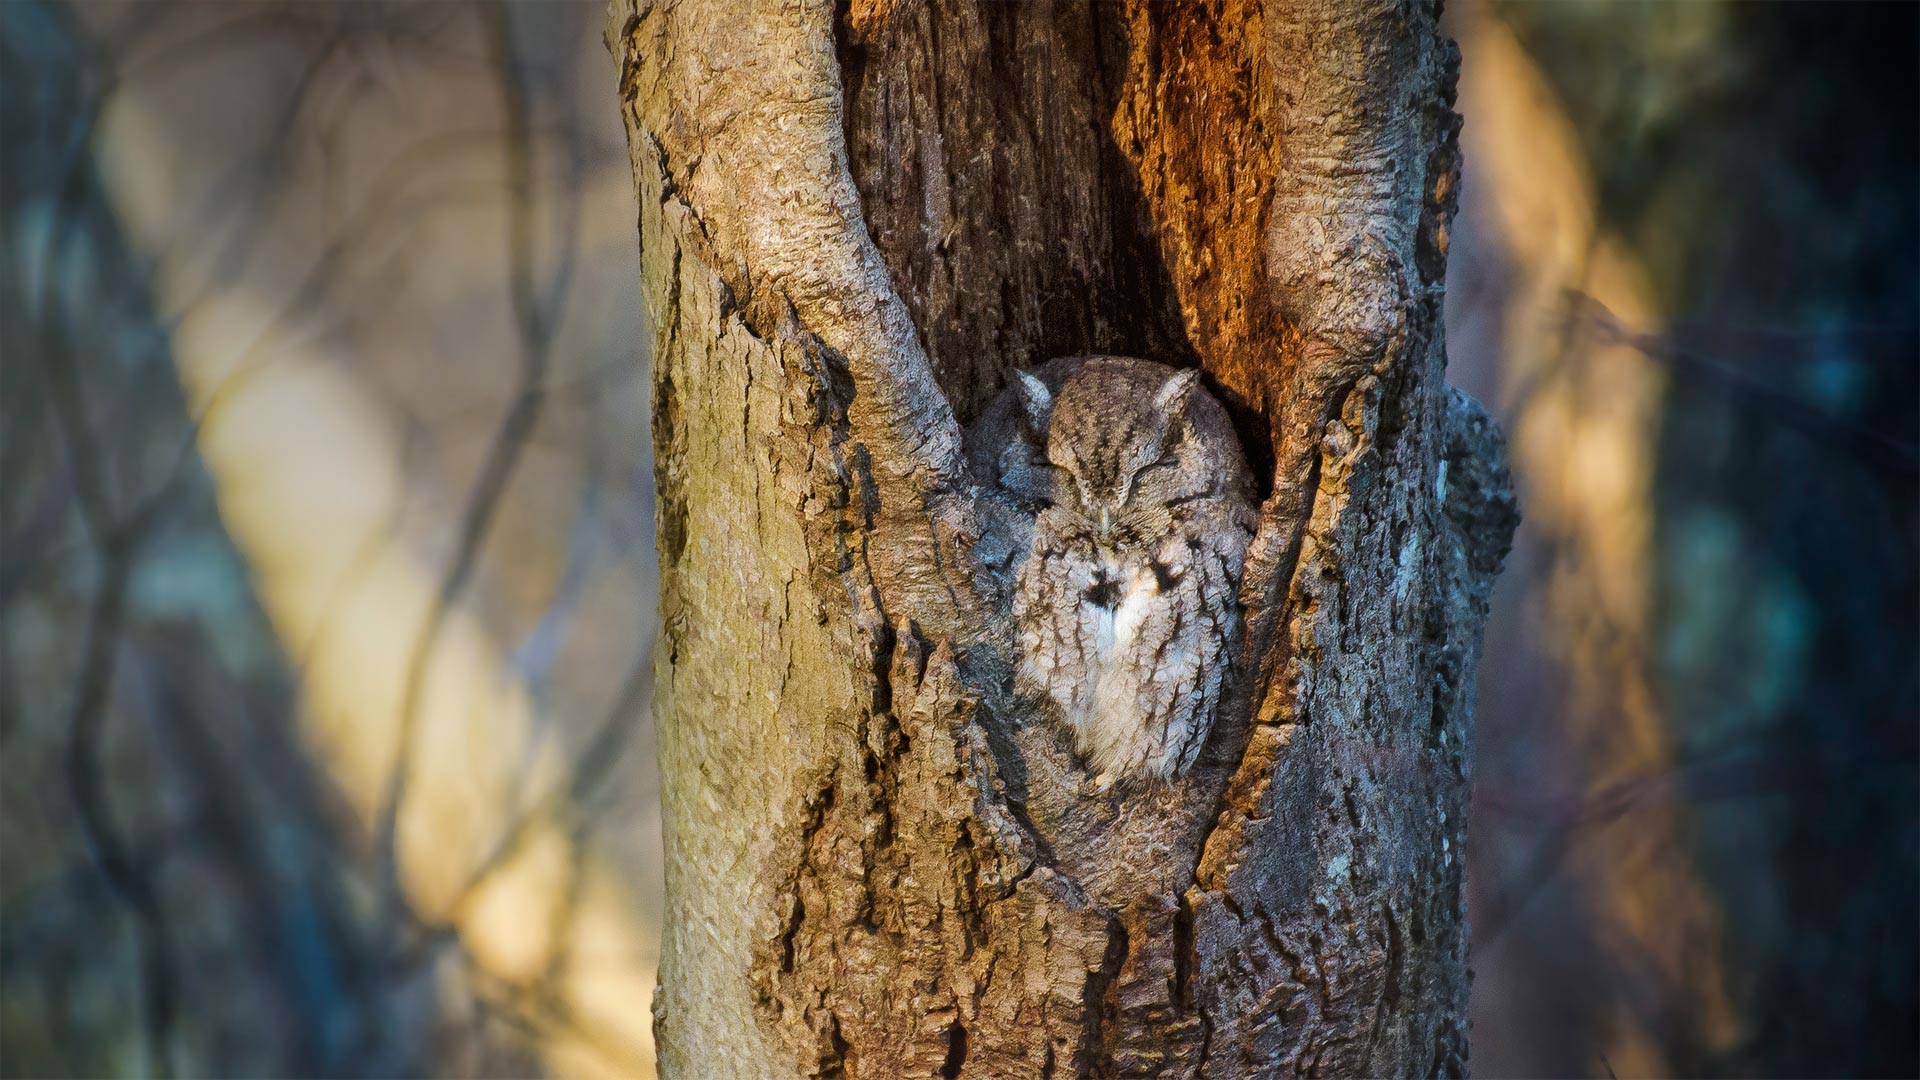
1128, 504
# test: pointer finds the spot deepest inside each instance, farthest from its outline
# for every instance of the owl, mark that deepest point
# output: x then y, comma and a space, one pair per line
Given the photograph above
1125, 599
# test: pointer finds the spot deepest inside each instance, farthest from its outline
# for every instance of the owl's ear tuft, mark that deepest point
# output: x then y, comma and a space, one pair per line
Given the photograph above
1174, 394
1035, 399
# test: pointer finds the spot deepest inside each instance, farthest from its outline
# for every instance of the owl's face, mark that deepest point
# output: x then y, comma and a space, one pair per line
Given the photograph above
1117, 449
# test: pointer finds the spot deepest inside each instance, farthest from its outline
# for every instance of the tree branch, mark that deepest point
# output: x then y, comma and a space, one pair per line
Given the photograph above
767, 175
503, 454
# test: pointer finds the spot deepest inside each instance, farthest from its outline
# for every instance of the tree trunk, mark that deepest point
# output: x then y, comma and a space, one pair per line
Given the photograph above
856, 222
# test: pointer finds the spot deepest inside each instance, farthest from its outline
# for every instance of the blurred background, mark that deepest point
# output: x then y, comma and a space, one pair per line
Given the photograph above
327, 574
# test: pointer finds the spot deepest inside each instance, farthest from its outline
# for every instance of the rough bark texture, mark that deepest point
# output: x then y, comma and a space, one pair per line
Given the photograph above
855, 223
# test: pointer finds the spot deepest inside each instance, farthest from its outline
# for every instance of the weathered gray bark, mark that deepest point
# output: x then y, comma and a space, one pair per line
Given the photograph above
855, 223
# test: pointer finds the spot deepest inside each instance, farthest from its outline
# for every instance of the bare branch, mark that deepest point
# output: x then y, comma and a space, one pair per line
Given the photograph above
503, 454
117, 542
1786, 409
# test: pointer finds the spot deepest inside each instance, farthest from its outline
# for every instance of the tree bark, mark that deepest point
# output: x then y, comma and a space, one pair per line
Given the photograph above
855, 223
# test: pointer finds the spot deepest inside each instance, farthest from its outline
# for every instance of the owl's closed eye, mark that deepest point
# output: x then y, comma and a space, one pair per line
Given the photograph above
1096, 453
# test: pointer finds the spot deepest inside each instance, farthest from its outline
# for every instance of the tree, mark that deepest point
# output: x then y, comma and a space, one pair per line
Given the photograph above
855, 224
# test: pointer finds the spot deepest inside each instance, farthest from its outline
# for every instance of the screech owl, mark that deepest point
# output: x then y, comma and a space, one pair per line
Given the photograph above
1125, 599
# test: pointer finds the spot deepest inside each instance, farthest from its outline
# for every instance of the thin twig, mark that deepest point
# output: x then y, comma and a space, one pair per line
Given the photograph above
591, 767
118, 543
1743, 770
502, 455
1787, 409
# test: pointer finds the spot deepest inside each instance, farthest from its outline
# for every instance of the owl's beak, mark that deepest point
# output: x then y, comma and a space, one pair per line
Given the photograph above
1106, 520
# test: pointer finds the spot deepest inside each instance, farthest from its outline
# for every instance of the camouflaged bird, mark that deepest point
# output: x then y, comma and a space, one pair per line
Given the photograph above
1125, 596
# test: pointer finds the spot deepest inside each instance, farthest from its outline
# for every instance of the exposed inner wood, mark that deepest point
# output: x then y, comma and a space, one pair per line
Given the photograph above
1052, 179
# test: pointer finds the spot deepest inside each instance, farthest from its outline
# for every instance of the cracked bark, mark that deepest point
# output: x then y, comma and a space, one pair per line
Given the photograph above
855, 222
